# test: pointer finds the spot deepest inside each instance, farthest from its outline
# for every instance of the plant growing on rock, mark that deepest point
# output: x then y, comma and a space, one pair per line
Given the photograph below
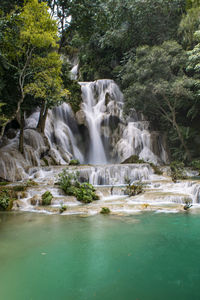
177, 171
46, 198
188, 203
74, 162
105, 211
70, 184
62, 208
134, 189
6, 200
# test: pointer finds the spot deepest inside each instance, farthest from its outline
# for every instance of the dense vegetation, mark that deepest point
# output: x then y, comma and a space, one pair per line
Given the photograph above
150, 47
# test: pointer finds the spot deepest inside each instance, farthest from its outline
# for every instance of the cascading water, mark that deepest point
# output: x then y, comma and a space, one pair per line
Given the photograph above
109, 137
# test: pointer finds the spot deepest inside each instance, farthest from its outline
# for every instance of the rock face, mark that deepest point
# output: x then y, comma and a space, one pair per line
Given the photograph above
97, 134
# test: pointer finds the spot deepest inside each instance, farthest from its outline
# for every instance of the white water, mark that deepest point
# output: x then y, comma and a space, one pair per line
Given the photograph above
101, 136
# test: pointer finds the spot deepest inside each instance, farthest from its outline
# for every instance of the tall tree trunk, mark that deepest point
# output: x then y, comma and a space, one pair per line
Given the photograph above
21, 135
42, 118
182, 140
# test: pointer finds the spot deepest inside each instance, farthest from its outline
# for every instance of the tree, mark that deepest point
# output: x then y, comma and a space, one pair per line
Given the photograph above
155, 84
29, 42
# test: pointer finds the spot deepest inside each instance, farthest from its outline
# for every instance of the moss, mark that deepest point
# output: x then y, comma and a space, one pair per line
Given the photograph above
45, 161
46, 198
105, 211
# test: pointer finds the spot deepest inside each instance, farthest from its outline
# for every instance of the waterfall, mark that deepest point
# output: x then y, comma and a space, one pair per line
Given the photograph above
98, 133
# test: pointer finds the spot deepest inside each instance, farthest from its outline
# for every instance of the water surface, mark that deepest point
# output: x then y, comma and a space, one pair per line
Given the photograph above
145, 257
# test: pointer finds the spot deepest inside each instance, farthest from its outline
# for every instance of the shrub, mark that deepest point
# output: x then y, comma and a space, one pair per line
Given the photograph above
156, 169
74, 162
46, 198
6, 200
134, 189
177, 171
69, 183
105, 211
63, 208
19, 188
195, 164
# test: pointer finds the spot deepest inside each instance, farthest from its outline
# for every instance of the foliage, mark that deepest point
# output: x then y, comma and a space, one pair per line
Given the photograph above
155, 83
28, 50
133, 159
156, 169
195, 164
74, 97
134, 189
74, 162
105, 211
46, 198
70, 184
177, 171
63, 208
6, 199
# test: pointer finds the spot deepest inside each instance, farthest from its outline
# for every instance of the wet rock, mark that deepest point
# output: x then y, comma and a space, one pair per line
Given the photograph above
80, 117
35, 200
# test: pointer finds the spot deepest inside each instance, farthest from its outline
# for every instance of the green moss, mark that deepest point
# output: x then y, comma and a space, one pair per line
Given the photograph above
105, 211
46, 198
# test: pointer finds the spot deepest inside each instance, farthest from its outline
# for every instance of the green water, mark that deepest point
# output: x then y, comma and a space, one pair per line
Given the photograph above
144, 257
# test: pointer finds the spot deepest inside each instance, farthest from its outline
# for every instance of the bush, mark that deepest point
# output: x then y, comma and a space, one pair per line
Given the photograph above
46, 198
156, 169
177, 171
134, 189
74, 162
6, 200
63, 208
69, 183
195, 164
105, 211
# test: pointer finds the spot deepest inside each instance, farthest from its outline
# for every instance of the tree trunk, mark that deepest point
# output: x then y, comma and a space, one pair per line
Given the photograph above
42, 118
182, 141
21, 135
